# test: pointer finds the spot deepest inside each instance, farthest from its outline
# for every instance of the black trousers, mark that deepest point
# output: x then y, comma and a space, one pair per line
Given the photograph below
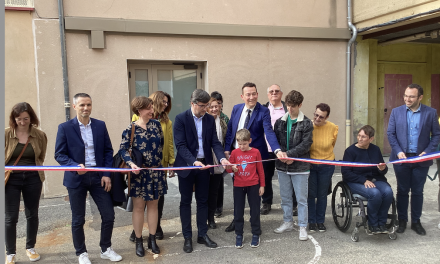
214, 182
201, 180
221, 192
29, 185
269, 171
254, 201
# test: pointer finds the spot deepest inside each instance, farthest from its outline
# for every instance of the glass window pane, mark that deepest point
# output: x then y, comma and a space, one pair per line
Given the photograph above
141, 81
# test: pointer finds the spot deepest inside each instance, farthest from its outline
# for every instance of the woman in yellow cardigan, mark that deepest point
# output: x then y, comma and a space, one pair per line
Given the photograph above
162, 107
325, 134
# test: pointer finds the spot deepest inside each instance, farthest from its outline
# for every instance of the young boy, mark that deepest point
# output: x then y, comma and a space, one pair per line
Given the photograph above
248, 179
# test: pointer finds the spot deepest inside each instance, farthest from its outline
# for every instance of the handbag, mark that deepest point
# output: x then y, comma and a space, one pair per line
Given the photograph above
8, 172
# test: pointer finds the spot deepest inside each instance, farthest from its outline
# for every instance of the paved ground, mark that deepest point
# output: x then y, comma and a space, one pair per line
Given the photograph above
55, 242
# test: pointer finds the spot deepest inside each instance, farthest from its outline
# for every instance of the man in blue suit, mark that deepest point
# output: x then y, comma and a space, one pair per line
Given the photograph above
196, 138
413, 130
84, 142
255, 118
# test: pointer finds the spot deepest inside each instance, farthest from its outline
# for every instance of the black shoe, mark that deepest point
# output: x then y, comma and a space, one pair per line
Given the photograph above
321, 227
152, 244
212, 224
295, 212
218, 212
231, 227
207, 241
132, 237
140, 251
265, 209
312, 227
402, 226
418, 228
159, 234
383, 229
188, 245
374, 230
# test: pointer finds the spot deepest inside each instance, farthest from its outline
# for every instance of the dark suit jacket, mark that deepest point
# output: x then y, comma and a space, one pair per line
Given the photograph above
259, 124
70, 150
429, 132
187, 145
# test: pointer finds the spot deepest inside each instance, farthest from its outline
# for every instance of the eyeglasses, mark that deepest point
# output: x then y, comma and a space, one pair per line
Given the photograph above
165, 102
318, 116
274, 91
202, 106
410, 96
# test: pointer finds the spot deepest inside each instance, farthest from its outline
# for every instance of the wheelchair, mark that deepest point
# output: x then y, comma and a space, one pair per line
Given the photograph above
343, 202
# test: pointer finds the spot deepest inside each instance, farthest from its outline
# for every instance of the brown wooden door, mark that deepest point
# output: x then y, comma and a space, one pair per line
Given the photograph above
395, 85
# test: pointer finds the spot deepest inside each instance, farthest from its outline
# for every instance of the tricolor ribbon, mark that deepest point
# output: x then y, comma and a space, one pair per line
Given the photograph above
430, 156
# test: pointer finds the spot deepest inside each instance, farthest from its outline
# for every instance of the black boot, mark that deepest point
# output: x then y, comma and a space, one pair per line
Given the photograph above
132, 236
152, 244
159, 232
140, 252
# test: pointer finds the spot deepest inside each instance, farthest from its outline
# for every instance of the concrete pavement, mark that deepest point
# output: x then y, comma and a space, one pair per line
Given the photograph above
55, 242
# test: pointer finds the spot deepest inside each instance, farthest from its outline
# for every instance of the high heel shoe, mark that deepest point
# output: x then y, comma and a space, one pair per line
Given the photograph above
140, 251
152, 244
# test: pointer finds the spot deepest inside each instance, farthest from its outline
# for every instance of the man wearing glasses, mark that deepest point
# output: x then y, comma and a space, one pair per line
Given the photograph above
195, 138
413, 130
277, 108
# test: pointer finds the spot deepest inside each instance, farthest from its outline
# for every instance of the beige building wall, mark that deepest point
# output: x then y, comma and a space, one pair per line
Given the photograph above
299, 13
20, 83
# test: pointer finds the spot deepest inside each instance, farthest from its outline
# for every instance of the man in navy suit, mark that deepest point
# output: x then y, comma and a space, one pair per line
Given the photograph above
84, 142
413, 130
255, 118
195, 139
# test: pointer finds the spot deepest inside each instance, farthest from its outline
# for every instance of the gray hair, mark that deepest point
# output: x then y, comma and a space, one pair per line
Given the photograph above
201, 96
76, 96
273, 85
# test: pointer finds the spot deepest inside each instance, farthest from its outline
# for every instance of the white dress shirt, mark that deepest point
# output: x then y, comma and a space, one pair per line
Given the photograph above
243, 119
87, 137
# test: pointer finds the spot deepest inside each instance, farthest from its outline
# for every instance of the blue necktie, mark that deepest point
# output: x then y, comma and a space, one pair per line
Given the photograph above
248, 117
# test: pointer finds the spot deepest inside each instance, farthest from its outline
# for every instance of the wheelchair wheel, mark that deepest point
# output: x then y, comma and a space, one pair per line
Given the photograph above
392, 221
342, 206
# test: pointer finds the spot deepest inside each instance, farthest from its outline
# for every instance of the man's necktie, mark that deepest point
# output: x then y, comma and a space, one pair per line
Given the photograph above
248, 117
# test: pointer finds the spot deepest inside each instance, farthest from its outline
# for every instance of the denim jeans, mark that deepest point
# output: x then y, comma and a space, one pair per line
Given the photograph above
379, 200
91, 182
29, 185
319, 181
299, 183
410, 177
254, 201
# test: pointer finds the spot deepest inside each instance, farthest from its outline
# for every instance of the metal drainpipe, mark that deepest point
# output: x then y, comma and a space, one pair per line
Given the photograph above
350, 42
64, 59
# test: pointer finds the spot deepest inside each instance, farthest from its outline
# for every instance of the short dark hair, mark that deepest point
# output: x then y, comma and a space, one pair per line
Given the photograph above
324, 108
249, 84
368, 130
418, 87
75, 97
294, 98
140, 102
217, 96
20, 108
243, 134
199, 95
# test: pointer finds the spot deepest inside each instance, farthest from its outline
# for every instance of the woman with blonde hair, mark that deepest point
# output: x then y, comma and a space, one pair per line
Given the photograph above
162, 107
25, 145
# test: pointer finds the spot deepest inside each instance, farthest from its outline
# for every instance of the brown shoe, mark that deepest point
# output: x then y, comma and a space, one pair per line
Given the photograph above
32, 254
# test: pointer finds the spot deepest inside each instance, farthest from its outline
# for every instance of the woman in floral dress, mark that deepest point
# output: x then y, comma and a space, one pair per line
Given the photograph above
146, 186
